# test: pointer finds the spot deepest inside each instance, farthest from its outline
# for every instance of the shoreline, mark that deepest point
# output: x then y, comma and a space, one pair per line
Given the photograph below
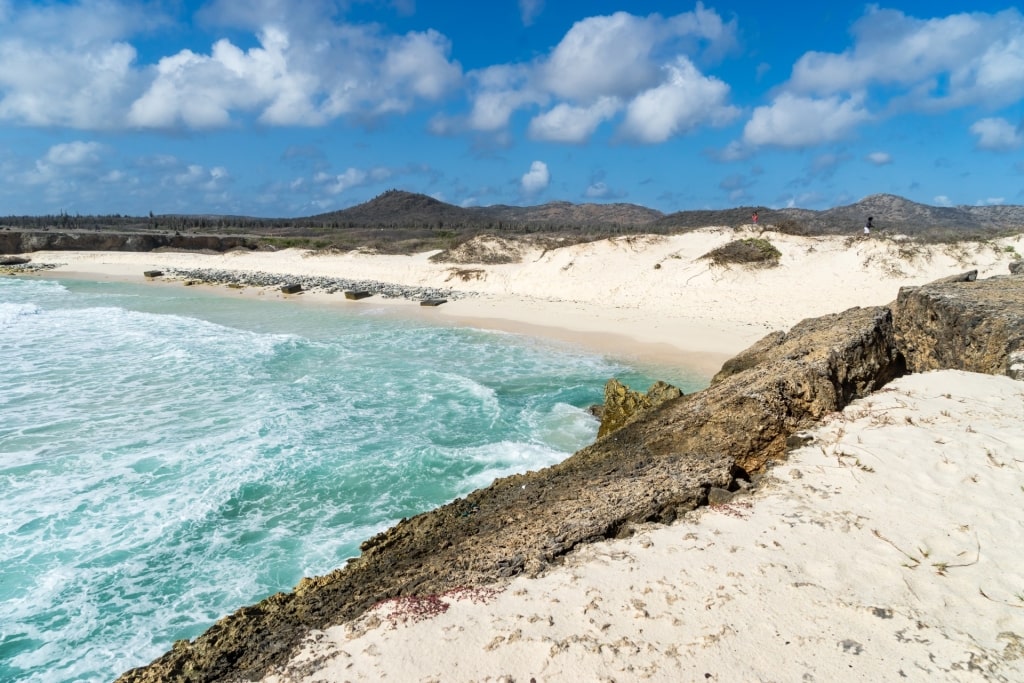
648, 299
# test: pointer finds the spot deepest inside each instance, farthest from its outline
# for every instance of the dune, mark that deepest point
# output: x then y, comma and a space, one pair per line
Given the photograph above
651, 298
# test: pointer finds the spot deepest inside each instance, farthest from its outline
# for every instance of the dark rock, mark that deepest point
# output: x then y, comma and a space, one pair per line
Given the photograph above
974, 326
28, 241
432, 302
622, 405
750, 357
719, 496
291, 288
153, 273
1017, 267
13, 261
650, 470
361, 294
969, 276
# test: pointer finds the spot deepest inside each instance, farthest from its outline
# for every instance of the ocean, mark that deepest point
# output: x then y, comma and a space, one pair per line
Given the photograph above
170, 454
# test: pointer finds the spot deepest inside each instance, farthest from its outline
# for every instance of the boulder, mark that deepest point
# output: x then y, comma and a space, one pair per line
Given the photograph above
13, 261
355, 295
432, 302
961, 325
622, 405
292, 288
153, 273
1017, 267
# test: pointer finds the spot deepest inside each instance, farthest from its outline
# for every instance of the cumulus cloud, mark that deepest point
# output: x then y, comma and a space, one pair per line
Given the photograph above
81, 56
879, 158
536, 179
75, 153
977, 58
998, 134
69, 65
610, 59
683, 101
566, 123
288, 82
795, 121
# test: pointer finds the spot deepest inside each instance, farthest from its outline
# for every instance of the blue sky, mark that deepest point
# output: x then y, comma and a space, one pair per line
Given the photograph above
274, 108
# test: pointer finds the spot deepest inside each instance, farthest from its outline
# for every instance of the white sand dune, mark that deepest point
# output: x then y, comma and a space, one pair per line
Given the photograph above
888, 549
649, 297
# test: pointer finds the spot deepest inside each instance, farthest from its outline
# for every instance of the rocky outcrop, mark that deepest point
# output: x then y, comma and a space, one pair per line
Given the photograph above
976, 326
622, 405
16, 242
649, 470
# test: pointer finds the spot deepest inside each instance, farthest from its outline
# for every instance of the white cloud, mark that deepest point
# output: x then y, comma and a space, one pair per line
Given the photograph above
942, 200
501, 91
566, 123
685, 100
879, 158
76, 153
961, 59
536, 179
597, 190
997, 134
529, 10
602, 59
795, 121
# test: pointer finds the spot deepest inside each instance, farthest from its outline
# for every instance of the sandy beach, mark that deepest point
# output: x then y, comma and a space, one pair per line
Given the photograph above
887, 548
647, 298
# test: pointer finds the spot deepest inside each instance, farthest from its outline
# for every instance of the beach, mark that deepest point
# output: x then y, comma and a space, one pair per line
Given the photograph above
886, 548
651, 298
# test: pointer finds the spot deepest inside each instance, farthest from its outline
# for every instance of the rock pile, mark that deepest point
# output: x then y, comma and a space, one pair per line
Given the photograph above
330, 285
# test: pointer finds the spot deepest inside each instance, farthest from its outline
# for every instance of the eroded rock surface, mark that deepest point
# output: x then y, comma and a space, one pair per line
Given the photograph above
975, 326
653, 469
623, 405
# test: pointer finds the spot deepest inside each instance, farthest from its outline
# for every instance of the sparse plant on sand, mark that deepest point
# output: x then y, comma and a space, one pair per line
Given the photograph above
751, 251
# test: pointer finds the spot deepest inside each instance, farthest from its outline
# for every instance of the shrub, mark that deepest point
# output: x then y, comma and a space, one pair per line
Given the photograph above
752, 251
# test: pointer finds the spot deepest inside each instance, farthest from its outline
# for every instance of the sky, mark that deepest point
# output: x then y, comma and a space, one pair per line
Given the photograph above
282, 109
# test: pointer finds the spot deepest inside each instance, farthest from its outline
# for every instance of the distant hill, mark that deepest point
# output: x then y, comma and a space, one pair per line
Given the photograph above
397, 208
891, 213
400, 220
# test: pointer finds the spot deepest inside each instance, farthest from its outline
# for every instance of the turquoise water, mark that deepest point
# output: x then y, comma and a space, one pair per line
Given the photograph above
169, 455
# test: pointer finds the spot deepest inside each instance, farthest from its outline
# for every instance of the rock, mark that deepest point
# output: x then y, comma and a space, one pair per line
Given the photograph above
20, 242
354, 295
291, 288
13, 261
719, 496
650, 470
750, 357
432, 302
622, 405
1017, 267
962, 325
153, 273
969, 276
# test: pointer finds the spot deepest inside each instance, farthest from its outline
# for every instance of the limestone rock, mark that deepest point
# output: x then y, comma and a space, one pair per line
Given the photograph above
622, 405
974, 326
1017, 267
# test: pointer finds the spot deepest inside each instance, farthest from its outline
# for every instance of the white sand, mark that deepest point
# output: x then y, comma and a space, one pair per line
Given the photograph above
647, 297
890, 548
